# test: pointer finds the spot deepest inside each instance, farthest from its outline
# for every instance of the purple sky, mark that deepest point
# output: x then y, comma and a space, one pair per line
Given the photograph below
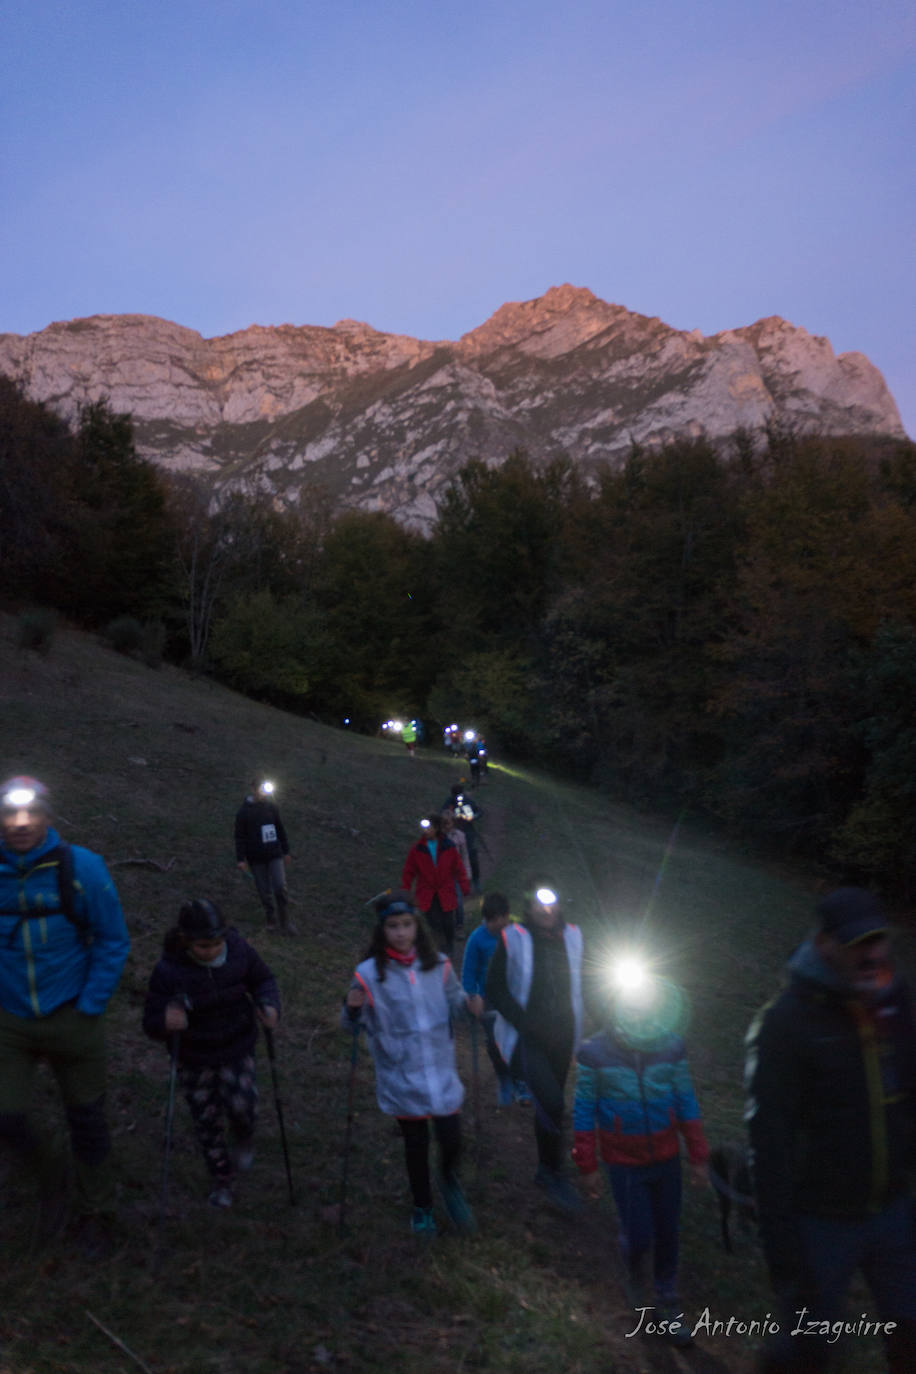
416, 163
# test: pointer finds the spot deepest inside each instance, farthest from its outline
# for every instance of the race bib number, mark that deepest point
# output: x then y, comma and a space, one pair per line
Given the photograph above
268, 834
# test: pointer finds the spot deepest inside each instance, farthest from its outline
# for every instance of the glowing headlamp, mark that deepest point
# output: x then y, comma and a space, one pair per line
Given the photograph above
266, 789
546, 896
19, 797
425, 824
397, 725
469, 734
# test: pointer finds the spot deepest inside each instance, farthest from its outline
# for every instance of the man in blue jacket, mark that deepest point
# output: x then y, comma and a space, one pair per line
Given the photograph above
63, 944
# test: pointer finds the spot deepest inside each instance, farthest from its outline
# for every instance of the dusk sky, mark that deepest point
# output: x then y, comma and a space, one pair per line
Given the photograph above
222, 163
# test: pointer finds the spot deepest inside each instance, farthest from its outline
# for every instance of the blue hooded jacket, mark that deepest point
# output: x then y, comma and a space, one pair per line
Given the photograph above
45, 959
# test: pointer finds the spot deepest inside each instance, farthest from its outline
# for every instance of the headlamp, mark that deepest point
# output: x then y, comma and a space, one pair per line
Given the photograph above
19, 797
266, 789
425, 824
631, 979
397, 725
546, 896
469, 734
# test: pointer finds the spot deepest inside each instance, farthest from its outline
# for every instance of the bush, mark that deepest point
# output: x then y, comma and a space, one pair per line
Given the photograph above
125, 634
35, 629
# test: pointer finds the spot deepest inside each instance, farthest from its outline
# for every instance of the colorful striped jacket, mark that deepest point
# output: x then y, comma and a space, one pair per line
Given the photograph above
630, 1104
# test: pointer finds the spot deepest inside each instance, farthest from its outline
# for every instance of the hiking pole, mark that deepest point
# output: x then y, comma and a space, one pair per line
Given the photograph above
167, 1145
348, 1135
272, 1056
475, 1087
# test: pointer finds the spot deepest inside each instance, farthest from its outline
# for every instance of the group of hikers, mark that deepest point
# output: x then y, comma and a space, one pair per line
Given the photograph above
831, 1070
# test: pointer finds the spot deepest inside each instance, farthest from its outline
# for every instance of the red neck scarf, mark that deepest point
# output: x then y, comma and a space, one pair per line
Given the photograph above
406, 959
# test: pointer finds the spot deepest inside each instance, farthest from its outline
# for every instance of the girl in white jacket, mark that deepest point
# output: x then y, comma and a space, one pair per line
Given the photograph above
406, 995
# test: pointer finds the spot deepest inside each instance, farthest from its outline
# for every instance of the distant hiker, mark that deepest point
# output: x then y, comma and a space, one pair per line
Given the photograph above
831, 1113
261, 846
451, 832
406, 995
535, 984
206, 995
634, 1100
433, 865
409, 736
63, 944
466, 813
477, 955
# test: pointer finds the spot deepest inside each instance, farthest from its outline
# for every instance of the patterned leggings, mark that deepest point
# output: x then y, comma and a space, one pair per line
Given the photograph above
213, 1090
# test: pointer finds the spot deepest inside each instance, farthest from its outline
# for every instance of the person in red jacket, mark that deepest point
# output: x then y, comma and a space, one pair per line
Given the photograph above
434, 866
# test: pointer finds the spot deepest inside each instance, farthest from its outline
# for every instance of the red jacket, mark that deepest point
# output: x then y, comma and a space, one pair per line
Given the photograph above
435, 879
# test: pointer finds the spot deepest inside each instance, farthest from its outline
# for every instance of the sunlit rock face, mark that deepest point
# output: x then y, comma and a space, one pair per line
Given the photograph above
383, 422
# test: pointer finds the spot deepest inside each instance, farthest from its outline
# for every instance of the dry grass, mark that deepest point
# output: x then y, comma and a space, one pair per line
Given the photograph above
152, 765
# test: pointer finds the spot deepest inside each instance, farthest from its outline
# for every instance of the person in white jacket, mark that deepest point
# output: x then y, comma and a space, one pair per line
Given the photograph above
406, 995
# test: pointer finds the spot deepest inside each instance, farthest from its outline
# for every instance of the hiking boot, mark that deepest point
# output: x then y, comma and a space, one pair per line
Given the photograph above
220, 1195
560, 1192
456, 1204
423, 1223
93, 1236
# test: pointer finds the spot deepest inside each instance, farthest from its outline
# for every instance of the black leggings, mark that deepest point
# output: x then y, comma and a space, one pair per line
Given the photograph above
544, 1070
416, 1151
442, 925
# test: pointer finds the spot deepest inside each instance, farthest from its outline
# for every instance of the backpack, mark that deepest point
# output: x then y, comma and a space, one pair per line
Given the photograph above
62, 854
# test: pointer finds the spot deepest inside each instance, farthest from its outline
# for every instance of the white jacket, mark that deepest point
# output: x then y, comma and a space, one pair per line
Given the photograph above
408, 1018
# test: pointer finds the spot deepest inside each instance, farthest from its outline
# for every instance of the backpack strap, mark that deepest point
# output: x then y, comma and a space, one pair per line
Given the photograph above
62, 856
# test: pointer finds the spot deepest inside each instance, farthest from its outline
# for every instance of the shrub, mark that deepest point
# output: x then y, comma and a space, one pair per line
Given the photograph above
35, 629
125, 634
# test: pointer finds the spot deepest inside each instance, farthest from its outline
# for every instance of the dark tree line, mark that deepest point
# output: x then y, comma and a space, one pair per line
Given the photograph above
731, 631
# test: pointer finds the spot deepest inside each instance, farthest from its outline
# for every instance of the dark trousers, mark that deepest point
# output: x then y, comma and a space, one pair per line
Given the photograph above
883, 1246
544, 1068
416, 1152
442, 925
648, 1198
213, 1092
270, 881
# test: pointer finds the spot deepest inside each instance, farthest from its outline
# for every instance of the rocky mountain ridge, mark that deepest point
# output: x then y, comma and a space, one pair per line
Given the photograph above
383, 421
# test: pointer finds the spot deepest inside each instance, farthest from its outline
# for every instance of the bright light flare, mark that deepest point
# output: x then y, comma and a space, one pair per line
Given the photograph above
266, 789
425, 824
19, 797
630, 977
546, 896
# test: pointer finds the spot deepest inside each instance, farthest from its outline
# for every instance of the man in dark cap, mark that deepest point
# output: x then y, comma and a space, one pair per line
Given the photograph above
831, 1111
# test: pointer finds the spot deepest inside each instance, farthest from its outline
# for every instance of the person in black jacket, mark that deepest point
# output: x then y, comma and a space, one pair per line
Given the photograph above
262, 848
831, 1111
206, 996
466, 813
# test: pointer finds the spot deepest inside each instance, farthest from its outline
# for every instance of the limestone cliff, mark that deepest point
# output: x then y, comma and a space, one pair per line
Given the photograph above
383, 422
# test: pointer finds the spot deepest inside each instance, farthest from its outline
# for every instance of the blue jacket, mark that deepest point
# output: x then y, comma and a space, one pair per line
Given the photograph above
45, 960
477, 955
631, 1104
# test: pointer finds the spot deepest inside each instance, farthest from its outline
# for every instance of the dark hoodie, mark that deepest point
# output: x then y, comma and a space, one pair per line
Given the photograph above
831, 1106
220, 1000
259, 832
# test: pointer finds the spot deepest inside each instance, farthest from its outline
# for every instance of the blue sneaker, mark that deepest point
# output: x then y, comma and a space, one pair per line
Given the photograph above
456, 1204
520, 1093
423, 1223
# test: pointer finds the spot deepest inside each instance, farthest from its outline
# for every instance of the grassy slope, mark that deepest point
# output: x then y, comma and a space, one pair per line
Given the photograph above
152, 765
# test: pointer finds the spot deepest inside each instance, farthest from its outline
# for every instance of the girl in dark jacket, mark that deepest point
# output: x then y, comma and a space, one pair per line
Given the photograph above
206, 996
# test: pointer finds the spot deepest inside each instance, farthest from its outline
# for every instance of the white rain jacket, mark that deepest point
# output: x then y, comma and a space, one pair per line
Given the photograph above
408, 1018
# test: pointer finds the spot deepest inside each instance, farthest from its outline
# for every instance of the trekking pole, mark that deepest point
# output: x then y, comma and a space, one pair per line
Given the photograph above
167, 1145
348, 1135
272, 1056
475, 1087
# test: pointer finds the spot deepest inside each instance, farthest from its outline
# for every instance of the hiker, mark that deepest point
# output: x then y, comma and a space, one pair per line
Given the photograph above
63, 944
534, 982
261, 847
831, 1112
406, 995
451, 832
206, 996
466, 813
634, 1100
434, 866
409, 736
477, 955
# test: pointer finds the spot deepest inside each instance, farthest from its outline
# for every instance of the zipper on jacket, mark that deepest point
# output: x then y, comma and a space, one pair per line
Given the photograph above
645, 1109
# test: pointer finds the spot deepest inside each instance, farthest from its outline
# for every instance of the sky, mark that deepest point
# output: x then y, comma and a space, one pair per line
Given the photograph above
417, 163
